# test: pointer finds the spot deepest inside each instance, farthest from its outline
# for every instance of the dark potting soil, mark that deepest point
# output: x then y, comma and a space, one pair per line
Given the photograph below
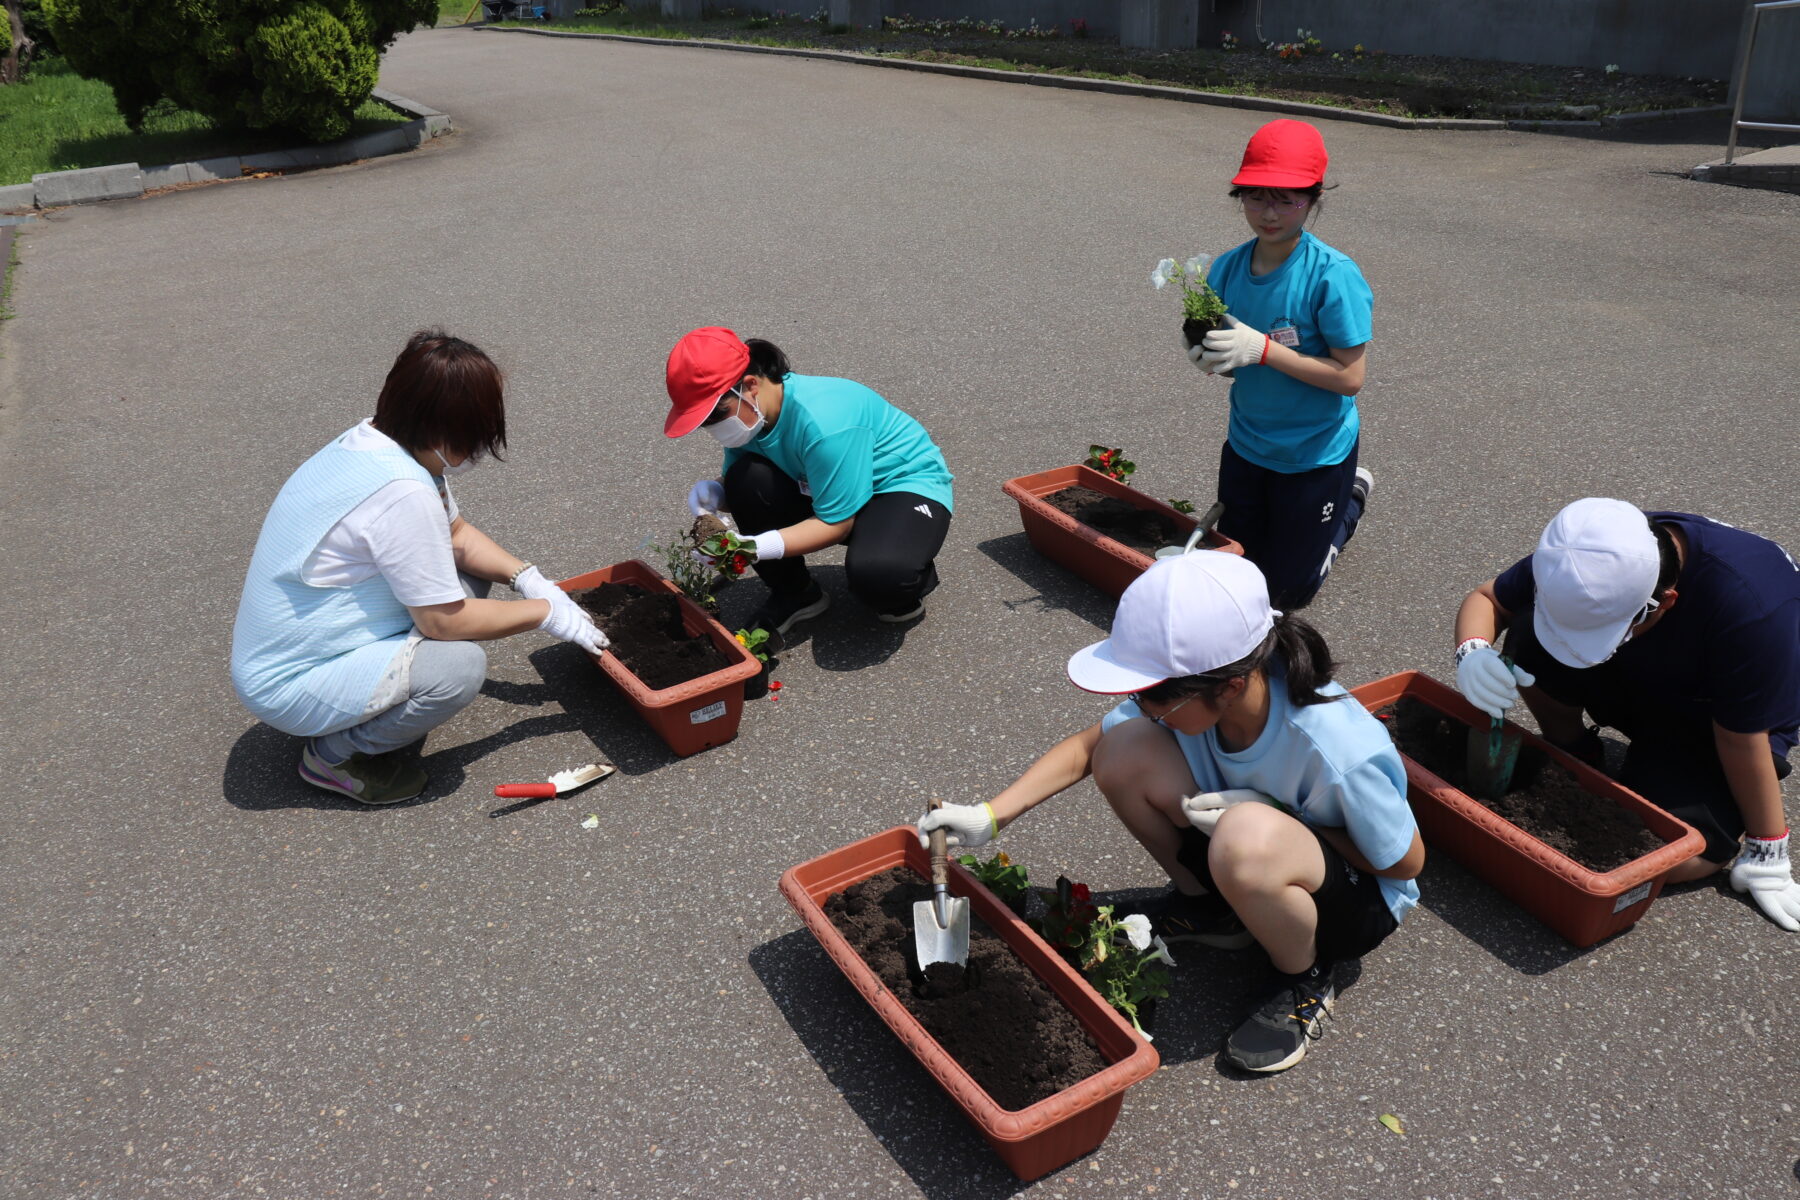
647, 635
1196, 331
1000, 1021
1544, 799
705, 525
1120, 520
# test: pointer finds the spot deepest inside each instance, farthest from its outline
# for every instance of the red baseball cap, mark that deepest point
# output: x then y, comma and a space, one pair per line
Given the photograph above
702, 366
1283, 154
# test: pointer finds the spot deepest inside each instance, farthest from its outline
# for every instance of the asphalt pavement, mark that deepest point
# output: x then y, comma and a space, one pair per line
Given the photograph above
220, 983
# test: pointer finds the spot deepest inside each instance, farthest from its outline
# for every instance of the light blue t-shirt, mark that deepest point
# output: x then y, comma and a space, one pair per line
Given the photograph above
846, 444
1276, 421
1332, 764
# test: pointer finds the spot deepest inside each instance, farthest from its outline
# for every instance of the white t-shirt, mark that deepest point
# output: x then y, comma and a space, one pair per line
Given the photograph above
402, 533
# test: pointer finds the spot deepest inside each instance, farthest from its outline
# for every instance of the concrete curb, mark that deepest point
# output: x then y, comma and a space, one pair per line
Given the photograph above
126, 180
1118, 87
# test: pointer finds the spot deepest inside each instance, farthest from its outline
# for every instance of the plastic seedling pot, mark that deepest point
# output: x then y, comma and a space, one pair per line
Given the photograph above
691, 716
1103, 562
1581, 904
1032, 1141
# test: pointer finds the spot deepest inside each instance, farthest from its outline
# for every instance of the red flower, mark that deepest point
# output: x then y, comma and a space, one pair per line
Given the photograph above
774, 685
1080, 894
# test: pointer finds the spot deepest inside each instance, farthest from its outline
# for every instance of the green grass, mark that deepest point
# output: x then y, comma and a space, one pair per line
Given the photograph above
57, 121
452, 12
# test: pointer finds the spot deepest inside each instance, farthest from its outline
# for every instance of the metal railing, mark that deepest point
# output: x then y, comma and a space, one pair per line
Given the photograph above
1743, 78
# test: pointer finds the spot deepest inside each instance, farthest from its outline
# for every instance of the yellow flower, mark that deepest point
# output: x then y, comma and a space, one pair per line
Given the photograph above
742, 641
1002, 859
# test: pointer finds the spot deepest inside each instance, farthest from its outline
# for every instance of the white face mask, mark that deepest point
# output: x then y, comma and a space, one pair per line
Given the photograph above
461, 468
732, 431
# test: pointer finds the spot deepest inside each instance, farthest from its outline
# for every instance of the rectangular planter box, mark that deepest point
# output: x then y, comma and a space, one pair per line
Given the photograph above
1033, 1141
1108, 565
1580, 904
691, 716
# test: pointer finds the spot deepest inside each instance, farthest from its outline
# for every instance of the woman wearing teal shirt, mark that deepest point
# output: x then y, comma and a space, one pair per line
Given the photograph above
1295, 345
1273, 800
811, 462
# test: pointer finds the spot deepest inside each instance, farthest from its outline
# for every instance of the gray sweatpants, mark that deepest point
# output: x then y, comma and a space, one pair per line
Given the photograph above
445, 679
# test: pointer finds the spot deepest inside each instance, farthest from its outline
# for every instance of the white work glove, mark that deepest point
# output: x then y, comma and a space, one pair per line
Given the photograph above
1487, 681
1762, 869
707, 496
1193, 352
1236, 345
531, 584
571, 623
768, 546
1204, 810
964, 825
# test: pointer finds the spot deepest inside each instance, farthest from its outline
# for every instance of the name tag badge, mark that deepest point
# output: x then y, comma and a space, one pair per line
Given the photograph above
1287, 335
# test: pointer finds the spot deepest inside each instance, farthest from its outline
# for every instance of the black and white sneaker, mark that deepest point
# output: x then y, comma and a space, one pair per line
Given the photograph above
1175, 917
1277, 1034
903, 616
1363, 486
784, 610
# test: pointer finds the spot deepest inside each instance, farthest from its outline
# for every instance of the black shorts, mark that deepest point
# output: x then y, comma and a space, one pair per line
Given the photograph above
1354, 916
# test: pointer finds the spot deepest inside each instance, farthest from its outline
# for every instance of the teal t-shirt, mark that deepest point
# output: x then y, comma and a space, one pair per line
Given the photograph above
1332, 764
844, 444
1276, 421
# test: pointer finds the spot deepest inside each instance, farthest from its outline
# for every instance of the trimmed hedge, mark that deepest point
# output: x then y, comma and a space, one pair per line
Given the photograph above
301, 65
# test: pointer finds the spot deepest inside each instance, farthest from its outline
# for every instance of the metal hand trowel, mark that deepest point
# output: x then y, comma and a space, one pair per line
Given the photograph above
1199, 535
941, 924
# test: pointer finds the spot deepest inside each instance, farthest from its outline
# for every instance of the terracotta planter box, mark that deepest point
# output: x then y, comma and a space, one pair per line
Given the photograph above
691, 716
1581, 904
1033, 1141
1108, 565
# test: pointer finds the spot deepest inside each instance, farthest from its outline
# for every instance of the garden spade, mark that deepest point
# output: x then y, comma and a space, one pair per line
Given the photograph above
1491, 756
559, 784
941, 924
1200, 531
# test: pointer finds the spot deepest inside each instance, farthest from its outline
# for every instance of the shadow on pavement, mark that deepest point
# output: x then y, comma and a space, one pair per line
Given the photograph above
593, 705
903, 1107
261, 772
1057, 589
1490, 920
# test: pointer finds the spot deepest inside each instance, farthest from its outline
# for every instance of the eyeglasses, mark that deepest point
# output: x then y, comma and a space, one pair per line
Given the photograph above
1258, 201
1137, 698
726, 405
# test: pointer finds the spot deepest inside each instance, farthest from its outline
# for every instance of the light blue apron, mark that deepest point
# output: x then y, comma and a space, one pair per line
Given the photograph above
307, 659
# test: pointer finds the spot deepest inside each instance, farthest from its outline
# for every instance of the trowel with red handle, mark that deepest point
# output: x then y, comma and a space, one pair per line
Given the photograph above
559, 784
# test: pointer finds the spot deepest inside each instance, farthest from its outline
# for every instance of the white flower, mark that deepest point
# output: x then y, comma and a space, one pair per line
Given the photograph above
1165, 270
1196, 266
1162, 952
1612, 68
1137, 930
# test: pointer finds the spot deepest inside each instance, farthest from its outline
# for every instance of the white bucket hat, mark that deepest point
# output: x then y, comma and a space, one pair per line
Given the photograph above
1595, 569
1184, 616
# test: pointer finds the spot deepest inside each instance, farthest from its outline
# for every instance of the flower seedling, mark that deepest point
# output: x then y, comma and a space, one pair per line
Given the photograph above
1001, 875
731, 554
1123, 961
1110, 462
1199, 303
1182, 506
753, 640
1227, 40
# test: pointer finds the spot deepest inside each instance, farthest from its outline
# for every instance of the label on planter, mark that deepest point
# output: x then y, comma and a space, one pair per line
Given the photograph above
711, 712
1632, 897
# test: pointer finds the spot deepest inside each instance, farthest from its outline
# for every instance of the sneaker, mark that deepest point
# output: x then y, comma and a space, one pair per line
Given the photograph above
1277, 1034
1363, 486
917, 610
784, 610
1175, 917
372, 779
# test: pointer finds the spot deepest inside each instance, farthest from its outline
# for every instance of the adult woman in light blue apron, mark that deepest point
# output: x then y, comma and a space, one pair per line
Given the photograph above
368, 591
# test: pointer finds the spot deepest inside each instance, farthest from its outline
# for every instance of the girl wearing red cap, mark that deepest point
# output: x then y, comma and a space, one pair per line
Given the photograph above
811, 462
1295, 345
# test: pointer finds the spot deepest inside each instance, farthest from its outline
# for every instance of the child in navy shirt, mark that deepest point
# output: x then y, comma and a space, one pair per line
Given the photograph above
1273, 800
1295, 344
1683, 634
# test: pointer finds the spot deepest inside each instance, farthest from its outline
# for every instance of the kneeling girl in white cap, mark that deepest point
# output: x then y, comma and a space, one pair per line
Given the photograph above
1273, 800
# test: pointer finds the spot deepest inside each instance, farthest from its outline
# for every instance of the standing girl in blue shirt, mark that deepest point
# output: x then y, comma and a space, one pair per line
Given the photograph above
1273, 800
1295, 342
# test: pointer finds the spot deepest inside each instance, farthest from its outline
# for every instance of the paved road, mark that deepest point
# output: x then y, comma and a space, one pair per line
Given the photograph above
218, 983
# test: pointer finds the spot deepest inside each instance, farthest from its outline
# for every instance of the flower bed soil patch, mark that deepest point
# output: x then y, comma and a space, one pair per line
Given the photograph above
1545, 799
1120, 520
1000, 1021
647, 635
